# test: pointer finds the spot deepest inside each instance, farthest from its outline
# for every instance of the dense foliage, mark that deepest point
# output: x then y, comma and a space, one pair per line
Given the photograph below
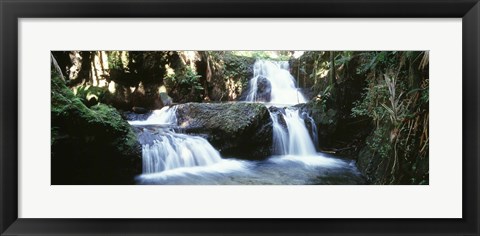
389, 91
396, 99
90, 145
370, 106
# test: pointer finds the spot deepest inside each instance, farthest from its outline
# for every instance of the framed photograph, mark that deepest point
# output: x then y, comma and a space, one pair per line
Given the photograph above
239, 117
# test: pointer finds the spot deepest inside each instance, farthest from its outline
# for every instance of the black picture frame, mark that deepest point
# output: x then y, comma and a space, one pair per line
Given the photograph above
11, 11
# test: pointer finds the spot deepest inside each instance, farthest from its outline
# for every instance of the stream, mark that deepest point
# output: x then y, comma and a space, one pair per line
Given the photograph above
171, 157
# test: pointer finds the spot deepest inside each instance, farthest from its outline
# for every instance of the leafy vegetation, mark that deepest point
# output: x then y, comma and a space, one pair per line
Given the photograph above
388, 88
371, 106
396, 100
270, 55
89, 145
186, 82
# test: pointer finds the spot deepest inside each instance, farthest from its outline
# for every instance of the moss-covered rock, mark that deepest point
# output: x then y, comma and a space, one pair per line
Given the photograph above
239, 129
90, 145
325, 118
90, 95
238, 71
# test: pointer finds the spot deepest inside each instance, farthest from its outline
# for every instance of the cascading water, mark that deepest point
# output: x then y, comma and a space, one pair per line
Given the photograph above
293, 139
278, 85
299, 142
295, 159
280, 136
171, 150
163, 117
164, 149
314, 130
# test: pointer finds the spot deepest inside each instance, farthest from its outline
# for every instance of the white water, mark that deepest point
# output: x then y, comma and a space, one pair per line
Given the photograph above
314, 130
293, 139
174, 158
284, 170
169, 150
282, 83
173, 150
280, 137
299, 142
164, 116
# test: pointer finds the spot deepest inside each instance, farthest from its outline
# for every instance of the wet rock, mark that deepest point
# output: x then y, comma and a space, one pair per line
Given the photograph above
90, 145
264, 90
140, 110
325, 119
242, 130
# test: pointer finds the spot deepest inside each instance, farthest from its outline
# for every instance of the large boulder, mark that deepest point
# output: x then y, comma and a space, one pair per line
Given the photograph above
242, 130
90, 145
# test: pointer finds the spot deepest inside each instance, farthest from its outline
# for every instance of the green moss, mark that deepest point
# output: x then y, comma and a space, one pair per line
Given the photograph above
322, 114
91, 95
235, 129
110, 117
67, 108
232, 118
90, 145
239, 68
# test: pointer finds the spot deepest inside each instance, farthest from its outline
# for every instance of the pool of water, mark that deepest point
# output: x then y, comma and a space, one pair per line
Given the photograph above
320, 169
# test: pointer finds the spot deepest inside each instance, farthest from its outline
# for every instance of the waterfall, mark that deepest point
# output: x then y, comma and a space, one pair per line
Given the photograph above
172, 157
163, 117
164, 149
314, 130
280, 136
299, 142
272, 82
173, 150
293, 139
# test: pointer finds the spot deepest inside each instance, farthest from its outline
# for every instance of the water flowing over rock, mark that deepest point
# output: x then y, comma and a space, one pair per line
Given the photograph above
164, 149
273, 83
212, 143
171, 150
313, 128
165, 116
280, 136
239, 129
292, 138
290, 135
